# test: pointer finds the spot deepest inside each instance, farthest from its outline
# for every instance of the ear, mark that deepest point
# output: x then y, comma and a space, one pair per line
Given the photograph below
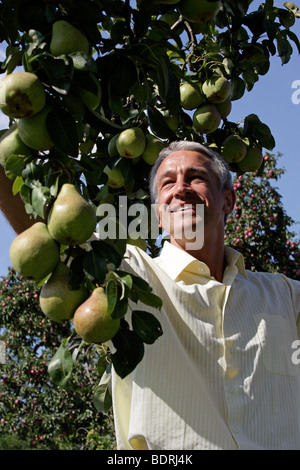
229, 201
158, 215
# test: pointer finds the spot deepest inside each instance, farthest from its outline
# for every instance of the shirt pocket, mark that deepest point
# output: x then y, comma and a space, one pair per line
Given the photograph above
276, 336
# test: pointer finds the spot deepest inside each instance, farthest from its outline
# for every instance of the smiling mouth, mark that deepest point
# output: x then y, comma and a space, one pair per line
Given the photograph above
184, 208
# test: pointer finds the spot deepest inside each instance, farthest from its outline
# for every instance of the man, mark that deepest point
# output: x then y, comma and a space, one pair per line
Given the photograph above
221, 376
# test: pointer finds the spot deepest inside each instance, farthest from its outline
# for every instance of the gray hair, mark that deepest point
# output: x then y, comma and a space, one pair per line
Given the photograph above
219, 165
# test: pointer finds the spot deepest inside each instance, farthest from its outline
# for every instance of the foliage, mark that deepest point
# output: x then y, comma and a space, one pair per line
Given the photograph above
34, 412
260, 227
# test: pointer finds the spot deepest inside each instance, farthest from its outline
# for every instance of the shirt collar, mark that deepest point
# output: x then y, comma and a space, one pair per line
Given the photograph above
176, 261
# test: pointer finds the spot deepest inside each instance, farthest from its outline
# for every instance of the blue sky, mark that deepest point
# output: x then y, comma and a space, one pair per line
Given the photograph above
271, 100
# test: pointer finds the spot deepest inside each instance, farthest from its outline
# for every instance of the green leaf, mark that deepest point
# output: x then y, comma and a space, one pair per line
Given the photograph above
146, 325
18, 183
120, 308
15, 164
158, 124
101, 365
60, 367
62, 129
150, 299
107, 251
39, 198
129, 351
102, 399
112, 296
94, 267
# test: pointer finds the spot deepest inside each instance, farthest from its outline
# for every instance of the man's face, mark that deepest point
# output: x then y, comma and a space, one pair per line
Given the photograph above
185, 183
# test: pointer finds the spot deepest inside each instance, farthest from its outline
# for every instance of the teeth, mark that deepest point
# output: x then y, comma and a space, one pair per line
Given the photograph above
183, 208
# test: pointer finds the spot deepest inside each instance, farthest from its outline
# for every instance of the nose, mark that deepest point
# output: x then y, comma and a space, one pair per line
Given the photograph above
182, 187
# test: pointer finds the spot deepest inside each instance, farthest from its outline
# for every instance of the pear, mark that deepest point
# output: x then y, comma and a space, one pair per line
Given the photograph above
33, 253
33, 131
224, 108
252, 160
115, 177
206, 119
233, 149
72, 219
190, 96
57, 300
152, 149
21, 95
216, 89
12, 144
199, 11
91, 320
67, 39
131, 142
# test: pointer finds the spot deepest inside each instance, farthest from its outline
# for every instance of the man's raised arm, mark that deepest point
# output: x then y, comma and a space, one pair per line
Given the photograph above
12, 206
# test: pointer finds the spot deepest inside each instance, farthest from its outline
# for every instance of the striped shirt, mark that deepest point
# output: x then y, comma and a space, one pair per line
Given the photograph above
222, 375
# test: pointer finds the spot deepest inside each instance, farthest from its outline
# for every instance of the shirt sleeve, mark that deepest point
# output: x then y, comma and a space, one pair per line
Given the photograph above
294, 287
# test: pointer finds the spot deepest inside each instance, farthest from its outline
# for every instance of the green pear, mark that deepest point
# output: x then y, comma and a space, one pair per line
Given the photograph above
206, 119
58, 300
233, 149
224, 108
131, 142
252, 160
33, 131
12, 144
115, 177
152, 149
199, 11
33, 253
190, 96
21, 95
72, 219
171, 120
90, 99
67, 39
216, 89
91, 320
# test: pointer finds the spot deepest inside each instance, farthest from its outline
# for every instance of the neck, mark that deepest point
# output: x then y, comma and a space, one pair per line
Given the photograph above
211, 253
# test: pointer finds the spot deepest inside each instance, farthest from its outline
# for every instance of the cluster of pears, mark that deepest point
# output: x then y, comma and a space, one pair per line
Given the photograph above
23, 98
239, 150
35, 254
210, 100
131, 143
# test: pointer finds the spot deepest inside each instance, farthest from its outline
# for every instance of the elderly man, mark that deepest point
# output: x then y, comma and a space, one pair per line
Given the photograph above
222, 375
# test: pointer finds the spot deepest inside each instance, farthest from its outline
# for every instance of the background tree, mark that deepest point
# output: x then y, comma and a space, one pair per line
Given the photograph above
111, 89
259, 226
34, 412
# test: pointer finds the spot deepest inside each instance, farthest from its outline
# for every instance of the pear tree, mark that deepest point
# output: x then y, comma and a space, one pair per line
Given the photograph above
106, 86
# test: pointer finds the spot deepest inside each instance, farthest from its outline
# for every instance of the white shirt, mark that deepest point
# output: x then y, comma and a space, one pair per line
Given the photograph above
221, 376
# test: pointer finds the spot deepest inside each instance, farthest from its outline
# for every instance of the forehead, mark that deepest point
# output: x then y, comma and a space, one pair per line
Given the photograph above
182, 161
